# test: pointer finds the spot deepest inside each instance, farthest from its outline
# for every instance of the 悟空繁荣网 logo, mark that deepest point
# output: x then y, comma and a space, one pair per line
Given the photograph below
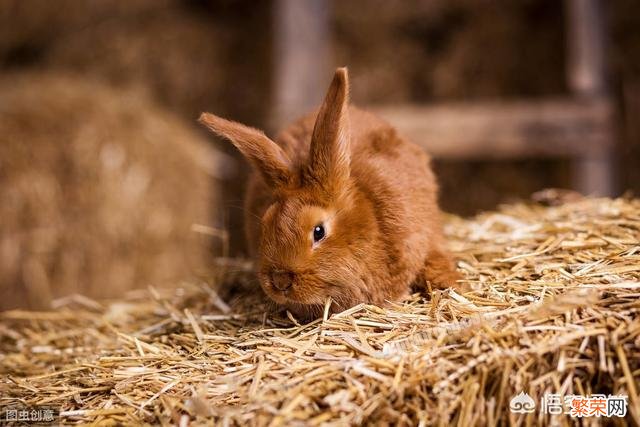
597, 405
522, 404
576, 406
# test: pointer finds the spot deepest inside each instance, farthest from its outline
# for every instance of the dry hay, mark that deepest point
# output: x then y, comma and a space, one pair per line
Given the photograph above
29, 28
442, 48
33, 24
165, 47
554, 309
98, 191
177, 56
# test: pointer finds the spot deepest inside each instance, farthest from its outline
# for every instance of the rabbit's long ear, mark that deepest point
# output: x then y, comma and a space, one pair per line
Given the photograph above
329, 157
265, 155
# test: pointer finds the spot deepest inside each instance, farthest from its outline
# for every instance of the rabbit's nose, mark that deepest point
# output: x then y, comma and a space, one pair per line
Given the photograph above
282, 280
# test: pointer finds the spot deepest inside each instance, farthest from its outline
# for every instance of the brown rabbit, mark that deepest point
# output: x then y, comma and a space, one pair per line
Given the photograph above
341, 206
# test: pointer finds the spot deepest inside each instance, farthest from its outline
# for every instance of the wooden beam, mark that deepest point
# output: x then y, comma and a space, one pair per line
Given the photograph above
549, 128
301, 57
585, 47
586, 76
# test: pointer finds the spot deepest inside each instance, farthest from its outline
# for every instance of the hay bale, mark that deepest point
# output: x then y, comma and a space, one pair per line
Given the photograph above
554, 309
164, 47
179, 57
98, 191
28, 27
417, 51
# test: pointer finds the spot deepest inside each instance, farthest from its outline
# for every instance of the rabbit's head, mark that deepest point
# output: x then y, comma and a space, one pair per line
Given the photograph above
320, 232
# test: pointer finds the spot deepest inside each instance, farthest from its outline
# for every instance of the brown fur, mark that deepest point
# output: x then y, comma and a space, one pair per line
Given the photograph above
374, 192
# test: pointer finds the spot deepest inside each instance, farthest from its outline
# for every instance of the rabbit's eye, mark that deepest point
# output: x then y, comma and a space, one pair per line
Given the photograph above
318, 233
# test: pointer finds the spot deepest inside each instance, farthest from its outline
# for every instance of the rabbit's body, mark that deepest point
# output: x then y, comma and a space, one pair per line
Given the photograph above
372, 193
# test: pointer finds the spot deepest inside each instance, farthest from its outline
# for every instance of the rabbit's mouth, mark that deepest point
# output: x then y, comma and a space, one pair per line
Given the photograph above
282, 280
287, 287
278, 285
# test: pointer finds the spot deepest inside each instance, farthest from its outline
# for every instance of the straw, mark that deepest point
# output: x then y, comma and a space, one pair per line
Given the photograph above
554, 308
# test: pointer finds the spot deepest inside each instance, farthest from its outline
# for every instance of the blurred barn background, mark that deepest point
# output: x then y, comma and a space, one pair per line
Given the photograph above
104, 170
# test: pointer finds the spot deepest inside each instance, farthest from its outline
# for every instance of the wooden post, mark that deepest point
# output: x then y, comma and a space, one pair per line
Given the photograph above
301, 62
586, 77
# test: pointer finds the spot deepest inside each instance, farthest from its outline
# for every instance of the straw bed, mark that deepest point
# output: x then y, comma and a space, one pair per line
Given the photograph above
554, 309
